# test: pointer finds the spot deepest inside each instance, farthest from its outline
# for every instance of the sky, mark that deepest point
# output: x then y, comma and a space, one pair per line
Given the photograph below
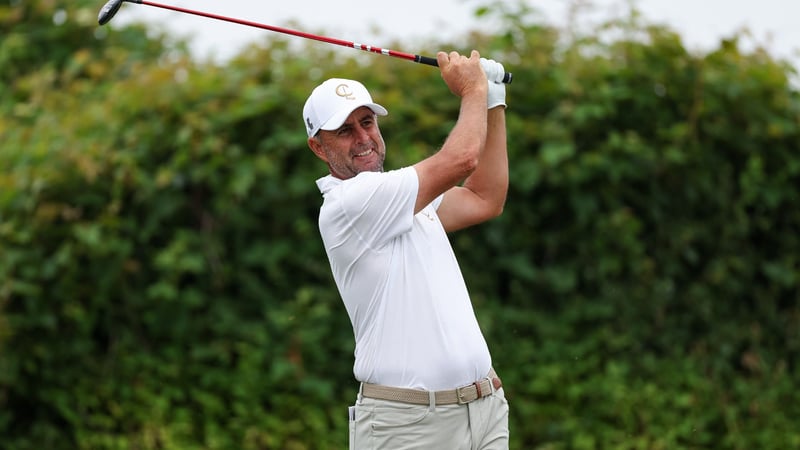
701, 23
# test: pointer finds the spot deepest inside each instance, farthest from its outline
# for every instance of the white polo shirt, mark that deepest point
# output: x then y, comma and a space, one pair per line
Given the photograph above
400, 282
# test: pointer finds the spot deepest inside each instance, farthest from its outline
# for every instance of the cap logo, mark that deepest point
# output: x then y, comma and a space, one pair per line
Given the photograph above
308, 122
344, 91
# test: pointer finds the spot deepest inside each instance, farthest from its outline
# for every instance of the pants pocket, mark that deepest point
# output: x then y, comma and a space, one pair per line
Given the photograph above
390, 417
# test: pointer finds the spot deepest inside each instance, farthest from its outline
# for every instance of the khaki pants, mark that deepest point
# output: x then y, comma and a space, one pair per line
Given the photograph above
478, 425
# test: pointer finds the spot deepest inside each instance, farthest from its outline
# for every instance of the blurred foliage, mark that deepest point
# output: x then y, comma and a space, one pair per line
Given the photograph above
163, 284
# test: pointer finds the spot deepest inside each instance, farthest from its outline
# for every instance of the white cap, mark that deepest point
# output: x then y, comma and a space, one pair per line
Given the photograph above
331, 103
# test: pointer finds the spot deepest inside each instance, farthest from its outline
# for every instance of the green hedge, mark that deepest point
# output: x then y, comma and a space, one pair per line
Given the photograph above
163, 284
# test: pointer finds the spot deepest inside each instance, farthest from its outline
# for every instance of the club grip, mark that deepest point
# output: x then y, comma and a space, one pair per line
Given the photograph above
507, 77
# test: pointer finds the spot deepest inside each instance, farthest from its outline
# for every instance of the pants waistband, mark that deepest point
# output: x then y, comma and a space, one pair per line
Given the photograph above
463, 395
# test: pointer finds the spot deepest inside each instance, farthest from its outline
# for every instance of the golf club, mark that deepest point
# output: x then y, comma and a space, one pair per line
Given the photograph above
108, 11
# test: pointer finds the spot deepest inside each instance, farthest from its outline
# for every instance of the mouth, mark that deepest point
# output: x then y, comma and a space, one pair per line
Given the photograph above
363, 154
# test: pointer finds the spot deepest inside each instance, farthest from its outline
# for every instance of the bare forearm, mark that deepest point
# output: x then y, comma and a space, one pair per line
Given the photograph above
490, 179
483, 193
460, 154
470, 131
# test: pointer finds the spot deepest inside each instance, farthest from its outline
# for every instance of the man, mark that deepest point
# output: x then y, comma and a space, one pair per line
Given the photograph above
425, 370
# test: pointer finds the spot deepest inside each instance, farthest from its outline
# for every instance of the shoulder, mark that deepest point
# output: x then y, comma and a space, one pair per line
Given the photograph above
371, 183
376, 205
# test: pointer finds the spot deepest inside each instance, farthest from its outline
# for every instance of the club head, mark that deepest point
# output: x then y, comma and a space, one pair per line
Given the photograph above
108, 11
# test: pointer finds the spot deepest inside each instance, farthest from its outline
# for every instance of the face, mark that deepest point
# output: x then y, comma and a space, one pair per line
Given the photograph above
355, 147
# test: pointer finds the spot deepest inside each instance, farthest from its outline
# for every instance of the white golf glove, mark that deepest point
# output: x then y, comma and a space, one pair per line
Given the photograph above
497, 89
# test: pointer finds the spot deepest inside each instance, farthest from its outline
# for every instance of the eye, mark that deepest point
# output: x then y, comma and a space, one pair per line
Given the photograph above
344, 131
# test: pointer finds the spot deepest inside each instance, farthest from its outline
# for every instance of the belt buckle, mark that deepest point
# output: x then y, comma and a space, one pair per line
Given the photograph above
460, 394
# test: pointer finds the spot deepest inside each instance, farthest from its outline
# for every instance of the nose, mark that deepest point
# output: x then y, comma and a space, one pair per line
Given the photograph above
361, 134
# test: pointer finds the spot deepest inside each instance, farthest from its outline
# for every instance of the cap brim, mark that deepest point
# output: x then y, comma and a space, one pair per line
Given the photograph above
338, 119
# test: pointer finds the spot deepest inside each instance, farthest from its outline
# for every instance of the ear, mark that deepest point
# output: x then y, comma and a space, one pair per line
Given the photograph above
316, 146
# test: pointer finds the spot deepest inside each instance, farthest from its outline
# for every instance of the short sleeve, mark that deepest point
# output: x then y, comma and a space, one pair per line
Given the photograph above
379, 206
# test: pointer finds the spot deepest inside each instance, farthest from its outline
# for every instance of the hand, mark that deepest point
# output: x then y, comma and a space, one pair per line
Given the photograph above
497, 89
462, 74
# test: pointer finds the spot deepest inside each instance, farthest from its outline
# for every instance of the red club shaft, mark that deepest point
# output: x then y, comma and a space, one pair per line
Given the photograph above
110, 9
283, 30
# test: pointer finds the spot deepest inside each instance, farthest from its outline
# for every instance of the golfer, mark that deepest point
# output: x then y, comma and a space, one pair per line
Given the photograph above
426, 374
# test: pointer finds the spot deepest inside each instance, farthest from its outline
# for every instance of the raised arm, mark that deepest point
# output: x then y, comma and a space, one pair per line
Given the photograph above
483, 194
459, 156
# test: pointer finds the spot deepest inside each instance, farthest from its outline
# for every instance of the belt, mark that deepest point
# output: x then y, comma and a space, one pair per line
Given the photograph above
459, 396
